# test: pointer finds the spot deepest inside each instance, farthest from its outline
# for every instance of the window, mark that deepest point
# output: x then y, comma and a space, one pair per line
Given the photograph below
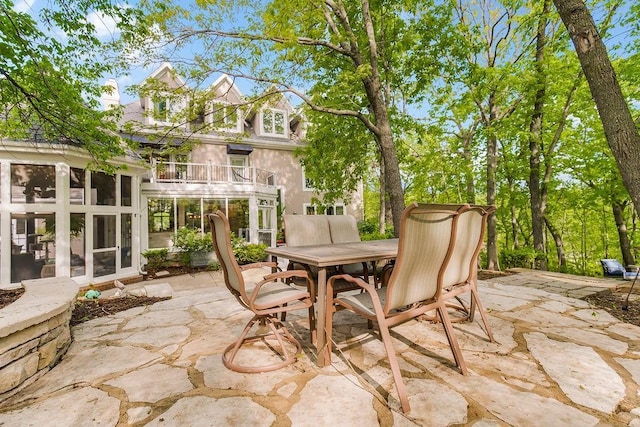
76, 186
160, 109
164, 109
239, 172
103, 189
226, 117
33, 183
337, 209
125, 190
273, 122
77, 244
307, 183
33, 249
125, 240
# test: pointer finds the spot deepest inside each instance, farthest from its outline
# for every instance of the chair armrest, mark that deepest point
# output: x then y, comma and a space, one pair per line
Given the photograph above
287, 275
258, 265
273, 277
349, 278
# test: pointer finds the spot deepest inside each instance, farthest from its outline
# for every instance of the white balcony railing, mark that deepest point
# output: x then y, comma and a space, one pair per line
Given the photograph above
207, 173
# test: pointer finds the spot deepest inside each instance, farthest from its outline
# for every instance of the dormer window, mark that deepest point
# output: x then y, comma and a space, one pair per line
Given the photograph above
274, 122
165, 110
226, 117
160, 109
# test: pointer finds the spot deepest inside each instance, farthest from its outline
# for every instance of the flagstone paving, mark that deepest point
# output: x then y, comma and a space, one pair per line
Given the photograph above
556, 361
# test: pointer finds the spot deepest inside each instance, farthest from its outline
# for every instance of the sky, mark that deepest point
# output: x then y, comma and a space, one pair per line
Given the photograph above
106, 29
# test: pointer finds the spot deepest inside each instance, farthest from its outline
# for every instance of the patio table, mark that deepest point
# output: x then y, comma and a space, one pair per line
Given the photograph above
330, 255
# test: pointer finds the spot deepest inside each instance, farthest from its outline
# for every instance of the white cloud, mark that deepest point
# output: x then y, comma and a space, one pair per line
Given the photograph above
24, 6
105, 25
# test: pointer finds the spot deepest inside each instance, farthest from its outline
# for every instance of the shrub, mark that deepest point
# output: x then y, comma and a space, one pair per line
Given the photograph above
369, 230
520, 258
155, 257
191, 241
247, 253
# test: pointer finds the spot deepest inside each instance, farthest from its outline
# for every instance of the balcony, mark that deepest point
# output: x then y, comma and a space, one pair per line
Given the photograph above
207, 173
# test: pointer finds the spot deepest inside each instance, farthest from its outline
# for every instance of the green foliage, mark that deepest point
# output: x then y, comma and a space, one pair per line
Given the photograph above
156, 258
191, 242
247, 253
519, 258
50, 70
369, 230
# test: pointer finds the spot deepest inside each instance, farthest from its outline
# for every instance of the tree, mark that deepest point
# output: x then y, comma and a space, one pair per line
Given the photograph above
49, 90
619, 128
355, 60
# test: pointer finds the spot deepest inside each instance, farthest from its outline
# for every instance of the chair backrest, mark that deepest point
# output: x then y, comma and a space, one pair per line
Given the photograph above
304, 230
344, 228
424, 248
469, 238
221, 236
612, 267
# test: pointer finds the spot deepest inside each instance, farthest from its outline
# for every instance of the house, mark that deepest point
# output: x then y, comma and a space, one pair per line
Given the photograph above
199, 151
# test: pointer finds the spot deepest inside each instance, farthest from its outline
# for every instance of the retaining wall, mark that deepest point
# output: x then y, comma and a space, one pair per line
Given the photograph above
34, 332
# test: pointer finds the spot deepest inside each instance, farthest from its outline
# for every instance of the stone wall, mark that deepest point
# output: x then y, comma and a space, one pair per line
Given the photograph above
34, 332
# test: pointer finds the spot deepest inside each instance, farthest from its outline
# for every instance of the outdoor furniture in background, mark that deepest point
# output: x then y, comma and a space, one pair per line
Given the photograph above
325, 257
425, 247
344, 229
305, 230
612, 268
266, 299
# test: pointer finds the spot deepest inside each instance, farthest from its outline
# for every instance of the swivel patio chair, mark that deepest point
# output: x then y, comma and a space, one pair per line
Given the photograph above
414, 287
265, 299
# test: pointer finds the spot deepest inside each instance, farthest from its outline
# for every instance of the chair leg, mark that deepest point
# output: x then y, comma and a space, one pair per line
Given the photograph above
312, 325
278, 332
451, 337
475, 301
395, 367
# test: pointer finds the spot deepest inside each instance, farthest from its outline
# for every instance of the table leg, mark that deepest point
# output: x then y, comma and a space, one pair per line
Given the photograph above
324, 351
274, 259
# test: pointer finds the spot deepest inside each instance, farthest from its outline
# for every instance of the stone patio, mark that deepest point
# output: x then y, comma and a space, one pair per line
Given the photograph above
556, 361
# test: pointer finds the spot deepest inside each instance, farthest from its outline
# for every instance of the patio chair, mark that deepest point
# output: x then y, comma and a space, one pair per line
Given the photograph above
461, 275
266, 299
344, 229
414, 287
304, 230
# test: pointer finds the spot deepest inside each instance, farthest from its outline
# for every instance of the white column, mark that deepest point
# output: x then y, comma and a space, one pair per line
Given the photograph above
253, 219
63, 226
5, 223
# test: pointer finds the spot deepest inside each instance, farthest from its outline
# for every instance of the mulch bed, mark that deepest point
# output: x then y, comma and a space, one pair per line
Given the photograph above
87, 310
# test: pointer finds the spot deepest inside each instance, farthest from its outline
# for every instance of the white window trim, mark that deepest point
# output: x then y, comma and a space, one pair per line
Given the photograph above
173, 106
305, 207
242, 170
305, 187
227, 128
273, 111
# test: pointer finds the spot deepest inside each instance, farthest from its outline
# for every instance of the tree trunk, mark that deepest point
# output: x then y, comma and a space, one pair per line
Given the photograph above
383, 197
557, 238
623, 235
535, 139
514, 216
392, 172
492, 166
620, 130
468, 167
